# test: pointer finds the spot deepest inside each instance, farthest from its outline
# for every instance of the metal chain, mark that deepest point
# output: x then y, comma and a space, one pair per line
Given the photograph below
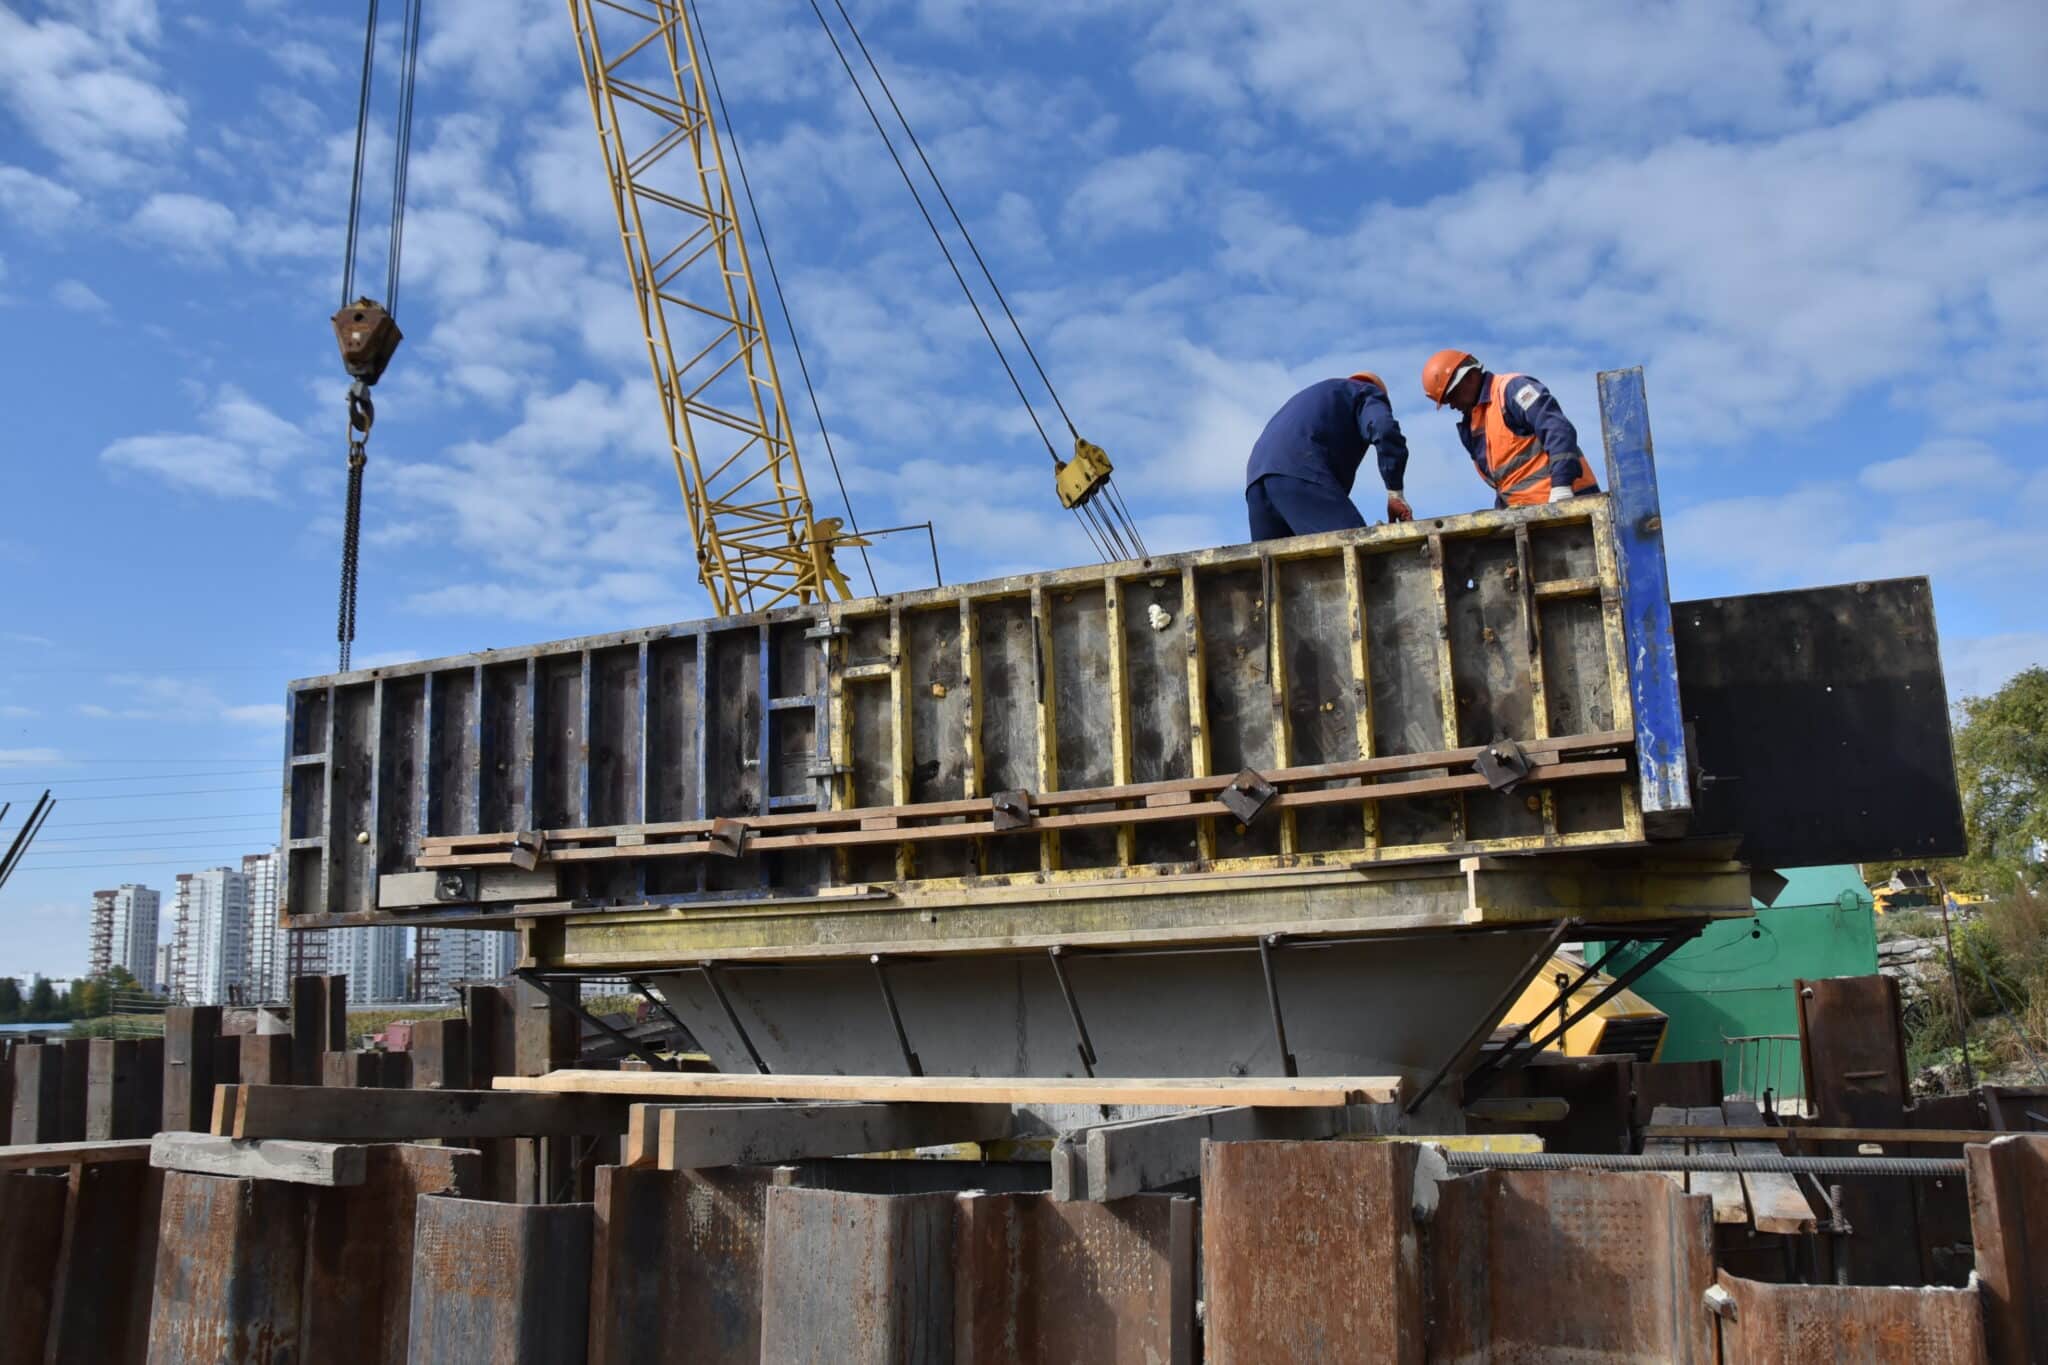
362, 413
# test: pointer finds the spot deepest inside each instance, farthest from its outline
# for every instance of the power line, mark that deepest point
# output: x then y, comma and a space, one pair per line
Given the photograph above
169, 819
70, 762
153, 834
95, 867
140, 848
190, 791
138, 777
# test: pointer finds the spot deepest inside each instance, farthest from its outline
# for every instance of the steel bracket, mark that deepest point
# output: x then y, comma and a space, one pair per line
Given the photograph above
1502, 763
728, 838
1246, 796
1011, 810
459, 884
827, 630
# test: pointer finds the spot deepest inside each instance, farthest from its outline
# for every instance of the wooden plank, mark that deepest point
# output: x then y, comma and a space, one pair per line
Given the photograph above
1251, 1090
1662, 1116
1355, 794
124, 1088
1723, 1187
299, 1163
1047, 798
38, 1093
34, 1156
440, 1054
1776, 1203
318, 1114
500, 1282
1113, 1160
693, 1137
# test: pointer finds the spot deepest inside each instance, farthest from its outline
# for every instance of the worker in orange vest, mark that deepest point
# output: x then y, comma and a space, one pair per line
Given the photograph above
1519, 439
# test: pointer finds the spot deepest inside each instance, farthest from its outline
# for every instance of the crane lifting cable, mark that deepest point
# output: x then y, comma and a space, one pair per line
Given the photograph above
1085, 483
366, 330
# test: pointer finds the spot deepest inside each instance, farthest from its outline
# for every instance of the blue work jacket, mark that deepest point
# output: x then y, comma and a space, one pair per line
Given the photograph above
1321, 434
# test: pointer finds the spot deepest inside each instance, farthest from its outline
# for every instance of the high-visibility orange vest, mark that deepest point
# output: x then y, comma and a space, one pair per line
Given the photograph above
1516, 466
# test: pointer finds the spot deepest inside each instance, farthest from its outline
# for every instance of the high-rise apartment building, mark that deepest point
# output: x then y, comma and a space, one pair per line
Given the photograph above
449, 958
211, 937
268, 975
124, 923
373, 958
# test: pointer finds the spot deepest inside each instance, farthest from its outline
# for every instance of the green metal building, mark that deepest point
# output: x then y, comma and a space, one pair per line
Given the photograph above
1735, 980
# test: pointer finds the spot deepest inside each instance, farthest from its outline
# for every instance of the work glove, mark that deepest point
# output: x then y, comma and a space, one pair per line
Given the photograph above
1561, 492
1397, 506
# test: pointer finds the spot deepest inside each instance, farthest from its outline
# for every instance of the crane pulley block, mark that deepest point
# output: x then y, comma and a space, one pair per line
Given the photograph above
368, 337
1077, 480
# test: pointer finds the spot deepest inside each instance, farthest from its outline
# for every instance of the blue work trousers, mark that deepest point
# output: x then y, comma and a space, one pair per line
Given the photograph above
1281, 506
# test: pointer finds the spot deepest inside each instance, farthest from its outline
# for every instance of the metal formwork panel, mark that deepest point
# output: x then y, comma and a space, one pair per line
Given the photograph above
1052, 729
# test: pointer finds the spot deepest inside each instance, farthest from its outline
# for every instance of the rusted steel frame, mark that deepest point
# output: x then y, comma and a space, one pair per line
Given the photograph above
572, 1000
1504, 1060
1484, 1025
1551, 749
910, 1062
1267, 943
1083, 1044
1326, 796
732, 1017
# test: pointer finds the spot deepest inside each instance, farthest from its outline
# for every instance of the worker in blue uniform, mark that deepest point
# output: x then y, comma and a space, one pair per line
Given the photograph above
1299, 478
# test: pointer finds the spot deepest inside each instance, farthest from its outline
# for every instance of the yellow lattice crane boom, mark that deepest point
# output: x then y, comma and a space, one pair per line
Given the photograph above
759, 545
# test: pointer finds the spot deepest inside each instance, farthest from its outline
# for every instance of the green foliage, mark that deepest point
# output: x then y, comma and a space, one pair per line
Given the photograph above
2001, 744
1908, 924
10, 1000
42, 1003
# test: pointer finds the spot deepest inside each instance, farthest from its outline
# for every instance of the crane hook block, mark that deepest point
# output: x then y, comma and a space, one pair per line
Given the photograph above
368, 337
1078, 479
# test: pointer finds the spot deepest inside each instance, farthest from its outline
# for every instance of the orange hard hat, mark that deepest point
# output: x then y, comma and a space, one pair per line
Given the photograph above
1442, 371
1369, 377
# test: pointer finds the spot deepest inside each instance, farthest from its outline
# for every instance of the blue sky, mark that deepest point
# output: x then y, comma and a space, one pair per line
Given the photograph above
1823, 229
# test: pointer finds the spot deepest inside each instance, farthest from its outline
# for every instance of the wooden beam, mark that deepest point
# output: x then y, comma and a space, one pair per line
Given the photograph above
1723, 1187
1776, 1203
693, 1137
35, 1155
318, 1114
300, 1163
1114, 1160
1276, 1091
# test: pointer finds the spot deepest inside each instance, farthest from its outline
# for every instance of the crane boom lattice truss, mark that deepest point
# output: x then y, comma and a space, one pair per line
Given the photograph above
758, 543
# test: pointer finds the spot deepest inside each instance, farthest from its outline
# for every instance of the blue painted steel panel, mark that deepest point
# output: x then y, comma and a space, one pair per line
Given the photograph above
1645, 594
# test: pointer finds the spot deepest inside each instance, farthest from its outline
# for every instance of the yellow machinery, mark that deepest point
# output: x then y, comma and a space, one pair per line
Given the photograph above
759, 545
1623, 1023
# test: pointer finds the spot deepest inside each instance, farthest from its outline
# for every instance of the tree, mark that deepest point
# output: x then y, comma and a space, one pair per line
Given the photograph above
10, 1000
2002, 767
42, 1001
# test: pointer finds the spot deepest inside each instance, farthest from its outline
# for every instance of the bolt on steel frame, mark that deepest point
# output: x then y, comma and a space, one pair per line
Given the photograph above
750, 512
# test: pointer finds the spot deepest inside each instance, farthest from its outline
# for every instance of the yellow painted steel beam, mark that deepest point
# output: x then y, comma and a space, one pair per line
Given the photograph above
700, 311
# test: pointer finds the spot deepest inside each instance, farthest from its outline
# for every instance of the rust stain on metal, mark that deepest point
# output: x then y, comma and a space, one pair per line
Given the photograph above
1310, 1252
229, 1272
857, 1279
2009, 1225
1764, 1324
678, 1258
1040, 1281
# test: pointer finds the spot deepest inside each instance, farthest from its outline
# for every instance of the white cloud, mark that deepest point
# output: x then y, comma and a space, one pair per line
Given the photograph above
190, 225
1942, 467
87, 93
1142, 192
78, 296
35, 201
13, 712
30, 758
239, 455
161, 698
